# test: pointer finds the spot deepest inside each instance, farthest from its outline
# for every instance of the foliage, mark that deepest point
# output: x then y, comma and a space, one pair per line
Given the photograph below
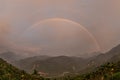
115, 76
9, 72
108, 71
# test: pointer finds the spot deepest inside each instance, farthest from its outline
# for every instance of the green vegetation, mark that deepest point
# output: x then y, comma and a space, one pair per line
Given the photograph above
108, 71
116, 76
9, 72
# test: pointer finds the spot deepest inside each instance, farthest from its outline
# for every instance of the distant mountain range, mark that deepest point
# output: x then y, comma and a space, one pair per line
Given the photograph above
10, 56
108, 71
51, 65
110, 56
65, 64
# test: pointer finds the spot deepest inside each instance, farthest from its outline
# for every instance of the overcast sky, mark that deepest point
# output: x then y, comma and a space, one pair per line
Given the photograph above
100, 17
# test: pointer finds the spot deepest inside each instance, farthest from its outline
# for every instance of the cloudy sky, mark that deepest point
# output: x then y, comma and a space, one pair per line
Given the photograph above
70, 27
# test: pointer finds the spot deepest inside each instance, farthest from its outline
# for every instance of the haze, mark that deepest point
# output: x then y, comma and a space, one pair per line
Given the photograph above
100, 17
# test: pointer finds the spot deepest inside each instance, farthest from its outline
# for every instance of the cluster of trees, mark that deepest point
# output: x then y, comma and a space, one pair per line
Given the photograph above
9, 72
108, 71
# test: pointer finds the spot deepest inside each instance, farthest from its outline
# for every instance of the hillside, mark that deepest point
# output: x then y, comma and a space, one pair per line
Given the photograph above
32, 59
53, 65
10, 56
111, 56
108, 71
60, 64
102, 67
9, 72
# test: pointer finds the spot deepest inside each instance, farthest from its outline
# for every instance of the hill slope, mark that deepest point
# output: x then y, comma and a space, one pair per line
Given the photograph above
10, 56
53, 65
60, 64
9, 72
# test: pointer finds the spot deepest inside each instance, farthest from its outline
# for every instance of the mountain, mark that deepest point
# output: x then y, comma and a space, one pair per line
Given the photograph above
10, 56
115, 52
66, 64
59, 65
33, 59
108, 71
52, 65
9, 72
28, 61
110, 56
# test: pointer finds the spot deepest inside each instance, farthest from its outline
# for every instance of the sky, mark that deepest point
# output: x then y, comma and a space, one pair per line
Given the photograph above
99, 17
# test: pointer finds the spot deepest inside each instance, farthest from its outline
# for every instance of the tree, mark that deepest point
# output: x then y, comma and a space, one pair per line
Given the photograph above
35, 72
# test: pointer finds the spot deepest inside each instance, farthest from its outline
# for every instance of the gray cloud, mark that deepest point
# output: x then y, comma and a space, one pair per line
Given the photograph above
52, 35
100, 17
4, 32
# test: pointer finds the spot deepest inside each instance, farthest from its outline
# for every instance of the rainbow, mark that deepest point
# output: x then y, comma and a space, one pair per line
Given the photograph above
70, 21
